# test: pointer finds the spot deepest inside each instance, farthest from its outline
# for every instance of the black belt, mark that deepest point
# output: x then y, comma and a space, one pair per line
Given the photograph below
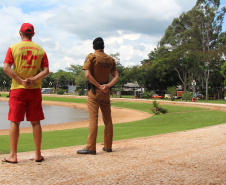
93, 87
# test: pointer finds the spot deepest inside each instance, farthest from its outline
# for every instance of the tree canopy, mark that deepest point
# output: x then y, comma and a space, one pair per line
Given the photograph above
193, 47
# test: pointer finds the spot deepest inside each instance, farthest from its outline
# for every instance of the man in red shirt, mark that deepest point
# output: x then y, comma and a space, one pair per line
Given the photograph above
30, 65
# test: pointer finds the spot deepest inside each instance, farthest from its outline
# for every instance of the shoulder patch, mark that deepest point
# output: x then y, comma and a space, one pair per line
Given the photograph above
87, 57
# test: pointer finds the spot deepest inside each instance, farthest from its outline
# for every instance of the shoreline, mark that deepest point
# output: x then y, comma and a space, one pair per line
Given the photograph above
119, 115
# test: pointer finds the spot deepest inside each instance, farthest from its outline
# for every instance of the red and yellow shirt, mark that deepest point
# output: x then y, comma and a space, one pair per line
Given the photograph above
27, 59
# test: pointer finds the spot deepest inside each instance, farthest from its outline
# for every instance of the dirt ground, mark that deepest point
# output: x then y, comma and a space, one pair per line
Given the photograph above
188, 157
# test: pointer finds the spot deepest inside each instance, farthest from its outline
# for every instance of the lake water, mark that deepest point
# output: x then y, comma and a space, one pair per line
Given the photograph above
53, 115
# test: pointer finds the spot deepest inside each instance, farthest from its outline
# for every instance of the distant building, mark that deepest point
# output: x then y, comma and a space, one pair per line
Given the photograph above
131, 87
71, 89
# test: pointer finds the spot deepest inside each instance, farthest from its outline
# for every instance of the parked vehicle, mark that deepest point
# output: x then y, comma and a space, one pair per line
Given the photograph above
167, 96
199, 96
179, 94
156, 96
47, 90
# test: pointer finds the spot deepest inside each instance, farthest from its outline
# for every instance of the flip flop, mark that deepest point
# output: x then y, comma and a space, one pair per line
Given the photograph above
6, 161
42, 159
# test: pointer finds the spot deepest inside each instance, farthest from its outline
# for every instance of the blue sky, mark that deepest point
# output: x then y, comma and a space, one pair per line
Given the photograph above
65, 29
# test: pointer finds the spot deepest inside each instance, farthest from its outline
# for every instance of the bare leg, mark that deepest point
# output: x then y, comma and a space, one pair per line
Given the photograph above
14, 133
37, 134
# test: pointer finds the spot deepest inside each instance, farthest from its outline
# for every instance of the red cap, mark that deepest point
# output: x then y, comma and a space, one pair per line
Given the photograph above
27, 28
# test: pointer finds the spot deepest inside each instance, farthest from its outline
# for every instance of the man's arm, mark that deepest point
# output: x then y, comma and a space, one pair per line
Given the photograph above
44, 72
41, 75
7, 69
91, 79
114, 79
105, 87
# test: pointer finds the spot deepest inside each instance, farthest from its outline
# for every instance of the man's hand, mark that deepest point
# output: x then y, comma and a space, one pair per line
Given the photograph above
25, 83
104, 88
28, 82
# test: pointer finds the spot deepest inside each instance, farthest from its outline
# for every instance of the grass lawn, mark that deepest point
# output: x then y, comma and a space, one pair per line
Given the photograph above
178, 119
147, 107
4, 95
200, 101
64, 99
78, 100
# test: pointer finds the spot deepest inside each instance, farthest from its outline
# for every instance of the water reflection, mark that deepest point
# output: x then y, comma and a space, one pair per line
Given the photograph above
53, 115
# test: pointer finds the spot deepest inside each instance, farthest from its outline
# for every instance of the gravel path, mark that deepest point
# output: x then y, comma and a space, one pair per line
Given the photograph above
190, 157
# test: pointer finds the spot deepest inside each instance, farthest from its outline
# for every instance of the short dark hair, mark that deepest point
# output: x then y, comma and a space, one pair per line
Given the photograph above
28, 35
98, 43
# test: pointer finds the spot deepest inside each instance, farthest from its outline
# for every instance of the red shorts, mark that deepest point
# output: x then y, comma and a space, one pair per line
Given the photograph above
27, 101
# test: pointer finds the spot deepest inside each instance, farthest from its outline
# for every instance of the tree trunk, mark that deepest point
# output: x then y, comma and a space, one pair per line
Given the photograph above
207, 93
120, 92
184, 81
207, 84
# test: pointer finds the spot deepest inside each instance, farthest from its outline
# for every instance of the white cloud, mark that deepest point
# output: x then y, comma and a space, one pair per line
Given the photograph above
120, 39
66, 29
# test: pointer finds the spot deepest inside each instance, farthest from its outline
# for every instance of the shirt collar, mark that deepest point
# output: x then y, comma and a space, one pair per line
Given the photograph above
99, 50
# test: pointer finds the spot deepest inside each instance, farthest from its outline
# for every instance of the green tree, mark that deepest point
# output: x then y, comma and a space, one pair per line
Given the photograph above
181, 48
222, 48
207, 22
5, 80
223, 71
81, 80
120, 68
75, 69
62, 79
48, 82
221, 43
159, 75
139, 74
172, 91
186, 96
190, 42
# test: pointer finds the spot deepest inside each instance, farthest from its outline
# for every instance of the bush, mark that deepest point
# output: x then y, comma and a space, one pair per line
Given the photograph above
157, 110
163, 111
60, 91
172, 98
67, 94
147, 95
172, 91
186, 96
80, 92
